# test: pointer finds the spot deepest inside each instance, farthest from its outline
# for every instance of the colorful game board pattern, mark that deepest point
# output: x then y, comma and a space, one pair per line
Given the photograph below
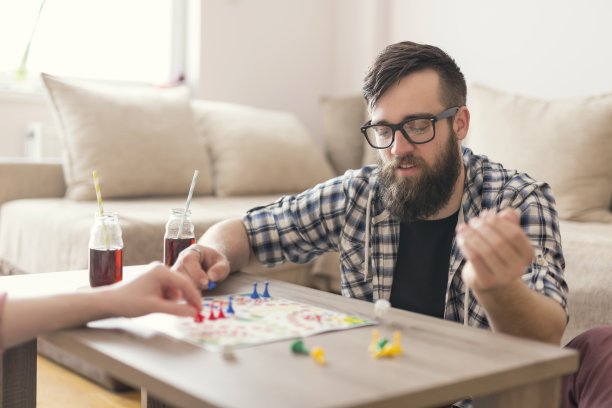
255, 321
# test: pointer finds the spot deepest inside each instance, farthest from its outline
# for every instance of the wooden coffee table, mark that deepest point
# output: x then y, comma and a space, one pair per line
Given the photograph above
443, 362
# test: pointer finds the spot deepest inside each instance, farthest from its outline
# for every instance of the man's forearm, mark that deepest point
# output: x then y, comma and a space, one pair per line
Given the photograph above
230, 238
517, 310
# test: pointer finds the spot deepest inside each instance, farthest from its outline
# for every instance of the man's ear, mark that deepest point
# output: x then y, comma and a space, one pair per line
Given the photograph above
461, 124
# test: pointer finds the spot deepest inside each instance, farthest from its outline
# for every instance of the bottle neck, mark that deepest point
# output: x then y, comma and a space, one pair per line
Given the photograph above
179, 225
180, 213
109, 217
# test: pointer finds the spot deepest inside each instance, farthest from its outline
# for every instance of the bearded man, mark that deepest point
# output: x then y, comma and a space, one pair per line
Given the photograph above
432, 227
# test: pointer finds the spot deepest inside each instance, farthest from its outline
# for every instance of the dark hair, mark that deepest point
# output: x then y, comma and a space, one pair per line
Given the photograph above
398, 60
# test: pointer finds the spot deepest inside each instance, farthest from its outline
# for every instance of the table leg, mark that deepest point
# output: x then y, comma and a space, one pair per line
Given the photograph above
18, 376
544, 394
149, 401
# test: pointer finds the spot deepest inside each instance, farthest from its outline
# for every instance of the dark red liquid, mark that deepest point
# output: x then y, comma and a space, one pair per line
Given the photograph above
173, 247
105, 267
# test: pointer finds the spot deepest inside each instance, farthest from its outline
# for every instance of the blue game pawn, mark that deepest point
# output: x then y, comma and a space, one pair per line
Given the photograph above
254, 295
266, 294
230, 308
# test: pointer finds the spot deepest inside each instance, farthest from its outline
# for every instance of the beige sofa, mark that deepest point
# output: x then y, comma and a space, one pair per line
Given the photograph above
253, 156
246, 157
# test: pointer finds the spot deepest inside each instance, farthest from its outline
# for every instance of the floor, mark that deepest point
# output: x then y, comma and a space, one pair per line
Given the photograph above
58, 387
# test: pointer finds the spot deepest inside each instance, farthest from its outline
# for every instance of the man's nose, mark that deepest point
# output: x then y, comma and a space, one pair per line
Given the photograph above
401, 146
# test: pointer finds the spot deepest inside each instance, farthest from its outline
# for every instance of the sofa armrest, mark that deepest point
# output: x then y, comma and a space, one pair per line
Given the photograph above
22, 178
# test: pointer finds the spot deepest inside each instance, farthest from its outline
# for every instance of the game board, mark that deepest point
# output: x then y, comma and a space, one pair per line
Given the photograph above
255, 321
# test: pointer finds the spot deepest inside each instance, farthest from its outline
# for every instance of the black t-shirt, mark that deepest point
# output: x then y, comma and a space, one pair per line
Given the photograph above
421, 269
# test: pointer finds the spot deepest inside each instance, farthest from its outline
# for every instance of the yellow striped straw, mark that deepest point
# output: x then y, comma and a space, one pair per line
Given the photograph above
98, 194
100, 207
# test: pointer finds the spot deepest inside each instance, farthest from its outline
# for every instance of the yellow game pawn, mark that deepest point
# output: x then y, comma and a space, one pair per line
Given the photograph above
373, 347
385, 349
396, 348
318, 355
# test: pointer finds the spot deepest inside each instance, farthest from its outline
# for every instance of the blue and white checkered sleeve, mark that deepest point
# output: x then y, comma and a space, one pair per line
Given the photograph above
298, 228
539, 221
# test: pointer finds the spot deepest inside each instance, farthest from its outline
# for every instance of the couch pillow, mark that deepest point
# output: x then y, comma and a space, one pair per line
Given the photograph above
257, 151
342, 117
566, 143
141, 140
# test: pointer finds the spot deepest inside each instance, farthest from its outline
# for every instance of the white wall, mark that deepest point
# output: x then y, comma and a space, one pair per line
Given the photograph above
545, 48
17, 111
361, 30
267, 53
286, 54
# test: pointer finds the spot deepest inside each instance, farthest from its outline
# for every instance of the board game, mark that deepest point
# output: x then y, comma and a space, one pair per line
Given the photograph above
241, 320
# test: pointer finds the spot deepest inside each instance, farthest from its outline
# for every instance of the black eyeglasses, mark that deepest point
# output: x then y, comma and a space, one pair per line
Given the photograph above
417, 130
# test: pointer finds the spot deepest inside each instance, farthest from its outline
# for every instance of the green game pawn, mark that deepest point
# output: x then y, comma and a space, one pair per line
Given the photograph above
381, 343
298, 347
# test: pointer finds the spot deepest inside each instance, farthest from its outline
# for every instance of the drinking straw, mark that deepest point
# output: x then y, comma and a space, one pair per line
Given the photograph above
100, 207
189, 196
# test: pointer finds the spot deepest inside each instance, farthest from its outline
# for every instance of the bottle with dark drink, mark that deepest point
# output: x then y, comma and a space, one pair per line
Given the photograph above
179, 234
105, 250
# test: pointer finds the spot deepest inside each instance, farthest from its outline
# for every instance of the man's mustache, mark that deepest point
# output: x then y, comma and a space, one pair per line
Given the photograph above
405, 161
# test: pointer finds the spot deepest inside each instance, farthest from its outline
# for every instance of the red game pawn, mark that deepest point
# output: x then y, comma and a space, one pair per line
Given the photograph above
220, 315
212, 312
199, 318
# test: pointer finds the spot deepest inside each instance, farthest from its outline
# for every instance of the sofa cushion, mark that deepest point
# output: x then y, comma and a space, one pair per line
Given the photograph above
141, 140
342, 117
566, 143
588, 272
258, 151
58, 229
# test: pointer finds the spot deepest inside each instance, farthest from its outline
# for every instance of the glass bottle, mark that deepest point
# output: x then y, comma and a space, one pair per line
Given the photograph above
105, 250
179, 234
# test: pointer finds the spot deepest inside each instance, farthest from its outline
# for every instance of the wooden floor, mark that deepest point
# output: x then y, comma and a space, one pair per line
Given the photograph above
58, 387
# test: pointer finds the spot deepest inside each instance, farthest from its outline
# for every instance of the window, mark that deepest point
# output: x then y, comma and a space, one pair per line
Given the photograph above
118, 40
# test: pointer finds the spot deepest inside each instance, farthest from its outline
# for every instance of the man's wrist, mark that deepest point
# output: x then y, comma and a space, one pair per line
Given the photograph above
507, 291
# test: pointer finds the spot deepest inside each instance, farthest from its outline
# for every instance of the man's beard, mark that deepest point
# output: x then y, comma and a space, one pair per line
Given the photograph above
421, 196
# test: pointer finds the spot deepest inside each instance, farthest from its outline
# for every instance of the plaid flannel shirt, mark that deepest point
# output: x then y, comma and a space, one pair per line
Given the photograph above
332, 217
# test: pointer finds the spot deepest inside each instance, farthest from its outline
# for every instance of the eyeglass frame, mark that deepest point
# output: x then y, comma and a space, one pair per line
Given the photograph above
400, 126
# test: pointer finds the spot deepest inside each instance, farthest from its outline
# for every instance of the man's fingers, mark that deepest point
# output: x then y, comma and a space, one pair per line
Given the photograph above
219, 270
190, 266
507, 224
511, 215
483, 244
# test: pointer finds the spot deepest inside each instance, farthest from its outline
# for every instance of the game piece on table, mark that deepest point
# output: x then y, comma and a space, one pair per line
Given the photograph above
211, 285
254, 295
381, 307
211, 316
375, 337
230, 308
396, 347
386, 349
220, 315
318, 355
199, 318
298, 347
266, 293
382, 342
